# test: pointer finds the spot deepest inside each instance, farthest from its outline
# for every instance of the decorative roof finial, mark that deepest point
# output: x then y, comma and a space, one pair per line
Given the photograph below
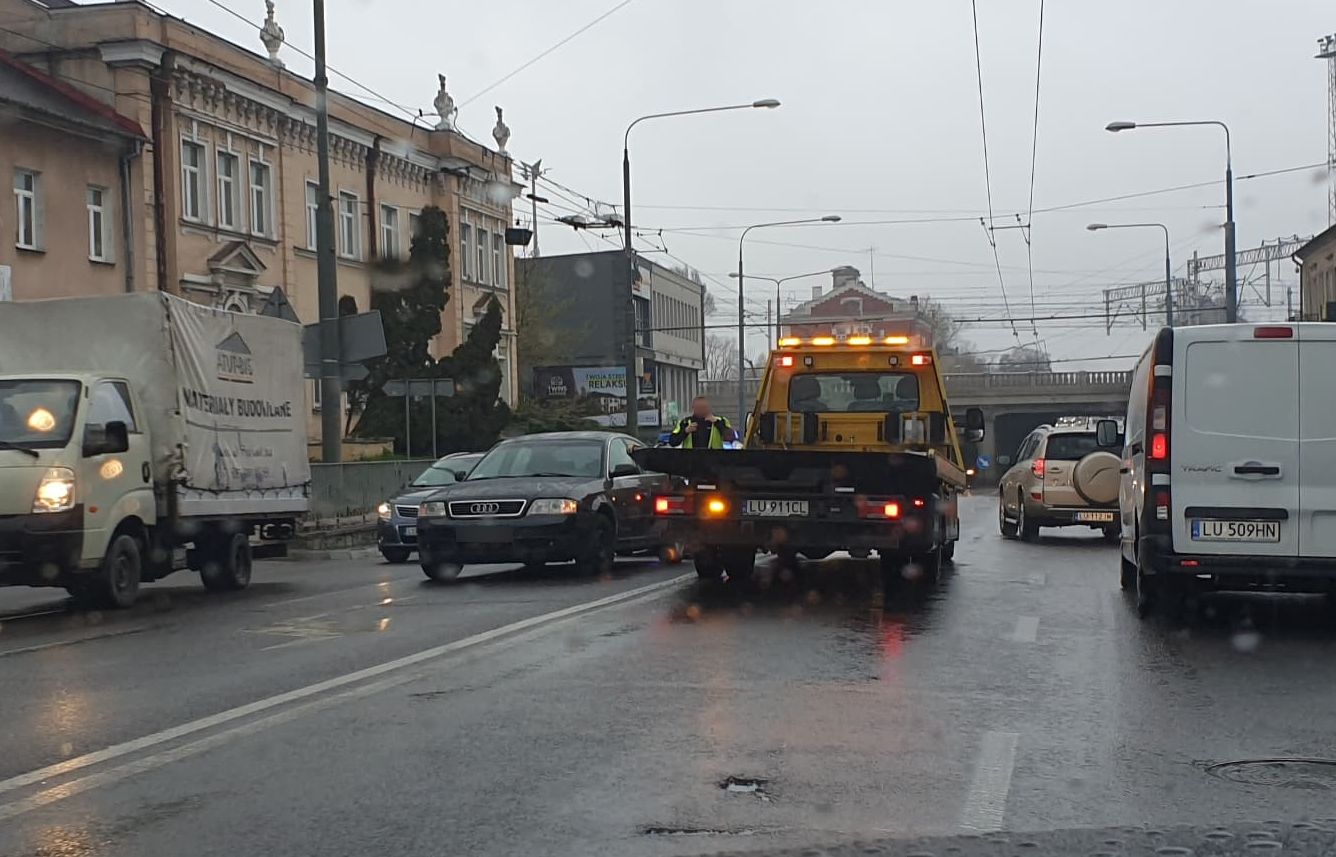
501, 133
271, 34
445, 107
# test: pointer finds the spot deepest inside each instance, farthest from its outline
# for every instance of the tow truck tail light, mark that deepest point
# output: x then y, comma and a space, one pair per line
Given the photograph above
785, 360
671, 505
1037, 467
882, 509
920, 359
716, 507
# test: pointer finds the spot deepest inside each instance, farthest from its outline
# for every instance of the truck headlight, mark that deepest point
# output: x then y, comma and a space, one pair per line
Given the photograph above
553, 506
55, 493
383, 511
433, 509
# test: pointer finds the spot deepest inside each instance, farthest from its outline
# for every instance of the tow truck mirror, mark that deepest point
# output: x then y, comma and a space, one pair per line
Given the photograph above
1106, 434
765, 426
811, 428
974, 425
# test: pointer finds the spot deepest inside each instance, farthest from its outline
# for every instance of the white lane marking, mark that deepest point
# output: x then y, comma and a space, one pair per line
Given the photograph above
986, 804
156, 738
153, 761
1027, 629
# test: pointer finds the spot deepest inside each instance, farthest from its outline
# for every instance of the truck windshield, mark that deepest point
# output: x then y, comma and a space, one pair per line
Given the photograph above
37, 414
582, 459
844, 392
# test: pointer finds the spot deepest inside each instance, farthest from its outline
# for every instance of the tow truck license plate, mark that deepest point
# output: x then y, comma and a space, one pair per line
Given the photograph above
1207, 530
775, 508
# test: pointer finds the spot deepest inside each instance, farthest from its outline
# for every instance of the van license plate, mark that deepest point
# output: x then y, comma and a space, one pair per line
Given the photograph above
775, 508
1206, 530
1093, 517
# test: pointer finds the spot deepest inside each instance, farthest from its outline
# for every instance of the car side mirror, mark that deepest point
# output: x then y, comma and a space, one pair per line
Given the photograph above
974, 425
460, 475
1106, 434
621, 470
109, 439
1004, 460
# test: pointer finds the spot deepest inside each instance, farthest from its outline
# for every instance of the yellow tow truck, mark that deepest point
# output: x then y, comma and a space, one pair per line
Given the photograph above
850, 447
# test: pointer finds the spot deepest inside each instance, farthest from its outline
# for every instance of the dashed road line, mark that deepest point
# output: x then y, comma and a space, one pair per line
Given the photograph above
986, 804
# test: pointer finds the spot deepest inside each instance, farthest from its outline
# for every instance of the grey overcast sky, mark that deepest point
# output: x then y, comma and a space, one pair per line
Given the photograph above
880, 121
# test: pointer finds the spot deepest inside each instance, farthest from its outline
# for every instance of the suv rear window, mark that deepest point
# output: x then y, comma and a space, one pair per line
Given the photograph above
1070, 446
854, 392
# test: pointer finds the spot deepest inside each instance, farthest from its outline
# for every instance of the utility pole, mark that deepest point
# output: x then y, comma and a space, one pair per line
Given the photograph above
532, 172
632, 364
769, 330
331, 392
1326, 50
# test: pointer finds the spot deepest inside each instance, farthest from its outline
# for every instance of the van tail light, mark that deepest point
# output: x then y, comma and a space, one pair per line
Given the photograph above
1162, 505
1273, 332
1037, 467
672, 505
1159, 446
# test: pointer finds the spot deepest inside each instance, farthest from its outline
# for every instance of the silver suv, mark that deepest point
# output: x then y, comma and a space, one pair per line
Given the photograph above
1060, 477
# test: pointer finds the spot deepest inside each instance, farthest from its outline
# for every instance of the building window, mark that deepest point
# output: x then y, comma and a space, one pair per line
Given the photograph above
312, 214
260, 198
498, 260
389, 232
484, 255
26, 195
349, 234
465, 251
192, 187
414, 221
502, 355
228, 201
98, 233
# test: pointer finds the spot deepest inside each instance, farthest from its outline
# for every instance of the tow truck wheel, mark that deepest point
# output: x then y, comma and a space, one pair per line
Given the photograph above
227, 563
740, 563
707, 564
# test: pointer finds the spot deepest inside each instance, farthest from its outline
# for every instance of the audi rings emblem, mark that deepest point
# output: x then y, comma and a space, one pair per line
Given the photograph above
484, 508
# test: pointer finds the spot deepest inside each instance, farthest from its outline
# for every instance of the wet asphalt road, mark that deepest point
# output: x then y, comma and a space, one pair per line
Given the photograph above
351, 708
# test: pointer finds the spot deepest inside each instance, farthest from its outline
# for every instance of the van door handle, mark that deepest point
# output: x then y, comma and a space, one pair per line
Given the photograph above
1124, 470
1257, 470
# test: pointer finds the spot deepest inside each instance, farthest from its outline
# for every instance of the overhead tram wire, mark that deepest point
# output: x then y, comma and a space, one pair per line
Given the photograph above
987, 172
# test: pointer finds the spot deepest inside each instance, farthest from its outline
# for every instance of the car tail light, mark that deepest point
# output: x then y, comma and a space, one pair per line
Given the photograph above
1159, 446
1037, 467
671, 505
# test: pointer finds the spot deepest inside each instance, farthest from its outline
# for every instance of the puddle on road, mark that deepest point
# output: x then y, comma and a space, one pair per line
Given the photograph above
1310, 774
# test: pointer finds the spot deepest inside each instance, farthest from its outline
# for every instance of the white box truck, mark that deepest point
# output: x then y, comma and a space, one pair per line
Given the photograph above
141, 434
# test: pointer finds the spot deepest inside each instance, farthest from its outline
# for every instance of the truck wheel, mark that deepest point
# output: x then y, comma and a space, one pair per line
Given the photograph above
117, 583
1127, 575
707, 564
227, 563
398, 556
949, 552
740, 563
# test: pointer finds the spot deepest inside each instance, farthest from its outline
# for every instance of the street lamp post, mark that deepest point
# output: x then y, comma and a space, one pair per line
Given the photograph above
774, 332
632, 375
1231, 266
1168, 268
742, 330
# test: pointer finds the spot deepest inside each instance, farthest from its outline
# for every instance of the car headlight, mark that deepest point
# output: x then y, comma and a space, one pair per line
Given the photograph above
55, 493
553, 506
383, 511
433, 509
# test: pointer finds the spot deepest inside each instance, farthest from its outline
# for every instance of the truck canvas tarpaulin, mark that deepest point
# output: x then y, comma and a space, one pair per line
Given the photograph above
222, 392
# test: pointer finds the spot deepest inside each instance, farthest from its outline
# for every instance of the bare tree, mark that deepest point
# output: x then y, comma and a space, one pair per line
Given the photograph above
721, 358
945, 329
1025, 358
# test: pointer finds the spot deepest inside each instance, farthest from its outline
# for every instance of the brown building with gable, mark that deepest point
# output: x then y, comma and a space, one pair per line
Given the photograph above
850, 308
197, 158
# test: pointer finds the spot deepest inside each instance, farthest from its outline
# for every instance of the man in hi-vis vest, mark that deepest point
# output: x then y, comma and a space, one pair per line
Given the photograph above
702, 430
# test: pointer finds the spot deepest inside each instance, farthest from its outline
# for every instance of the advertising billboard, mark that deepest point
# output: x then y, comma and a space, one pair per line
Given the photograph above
600, 390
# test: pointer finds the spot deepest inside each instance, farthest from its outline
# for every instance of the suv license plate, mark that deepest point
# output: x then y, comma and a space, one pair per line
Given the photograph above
775, 508
1093, 517
1207, 530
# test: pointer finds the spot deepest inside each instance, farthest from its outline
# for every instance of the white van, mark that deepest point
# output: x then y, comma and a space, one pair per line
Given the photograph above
1229, 462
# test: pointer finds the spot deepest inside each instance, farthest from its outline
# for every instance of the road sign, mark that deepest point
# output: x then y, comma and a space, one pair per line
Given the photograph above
984, 462
278, 306
418, 387
361, 338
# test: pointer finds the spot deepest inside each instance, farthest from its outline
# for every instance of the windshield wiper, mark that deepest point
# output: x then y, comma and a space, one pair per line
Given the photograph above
561, 475
6, 444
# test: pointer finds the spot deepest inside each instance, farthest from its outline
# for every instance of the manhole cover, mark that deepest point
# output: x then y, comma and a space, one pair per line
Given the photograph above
754, 786
1288, 773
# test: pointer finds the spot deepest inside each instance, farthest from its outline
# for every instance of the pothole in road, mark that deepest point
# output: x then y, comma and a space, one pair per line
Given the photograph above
698, 831
754, 786
1312, 774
